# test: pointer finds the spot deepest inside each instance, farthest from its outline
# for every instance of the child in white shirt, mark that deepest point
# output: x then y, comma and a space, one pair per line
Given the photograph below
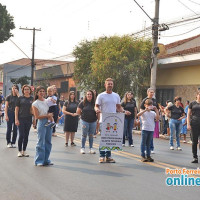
148, 117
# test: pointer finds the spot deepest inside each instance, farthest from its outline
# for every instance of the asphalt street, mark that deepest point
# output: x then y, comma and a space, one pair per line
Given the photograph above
76, 176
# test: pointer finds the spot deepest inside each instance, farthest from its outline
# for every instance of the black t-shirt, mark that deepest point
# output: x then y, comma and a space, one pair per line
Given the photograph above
143, 102
129, 106
0, 99
62, 103
176, 113
11, 102
195, 110
71, 106
88, 113
24, 104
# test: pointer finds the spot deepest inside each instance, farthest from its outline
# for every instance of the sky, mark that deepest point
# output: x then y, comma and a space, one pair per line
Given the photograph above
65, 23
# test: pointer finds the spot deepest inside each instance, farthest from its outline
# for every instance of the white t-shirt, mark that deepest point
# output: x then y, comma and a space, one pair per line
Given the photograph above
148, 121
50, 102
42, 106
108, 102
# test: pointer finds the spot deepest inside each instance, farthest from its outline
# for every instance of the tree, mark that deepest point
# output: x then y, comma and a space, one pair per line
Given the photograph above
45, 82
6, 24
125, 59
24, 80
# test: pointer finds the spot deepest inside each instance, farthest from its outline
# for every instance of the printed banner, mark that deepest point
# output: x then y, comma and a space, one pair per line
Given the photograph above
112, 131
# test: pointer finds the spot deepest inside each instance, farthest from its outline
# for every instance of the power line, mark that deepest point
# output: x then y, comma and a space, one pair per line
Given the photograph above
181, 33
19, 48
194, 2
187, 7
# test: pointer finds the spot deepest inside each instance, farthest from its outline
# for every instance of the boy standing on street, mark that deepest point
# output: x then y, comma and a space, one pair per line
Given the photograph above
148, 117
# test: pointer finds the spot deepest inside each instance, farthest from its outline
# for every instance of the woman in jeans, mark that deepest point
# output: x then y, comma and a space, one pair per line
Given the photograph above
175, 123
193, 124
10, 116
88, 120
44, 133
129, 105
23, 119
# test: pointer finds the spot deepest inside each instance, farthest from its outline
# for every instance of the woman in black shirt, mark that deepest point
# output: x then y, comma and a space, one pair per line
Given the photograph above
193, 124
71, 118
88, 120
175, 123
23, 119
10, 116
130, 106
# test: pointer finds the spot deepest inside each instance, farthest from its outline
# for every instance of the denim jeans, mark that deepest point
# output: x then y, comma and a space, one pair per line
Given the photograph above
103, 154
128, 127
175, 127
11, 126
88, 128
147, 137
43, 147
24, 128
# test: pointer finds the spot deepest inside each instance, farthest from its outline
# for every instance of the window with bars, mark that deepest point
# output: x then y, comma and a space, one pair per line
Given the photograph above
162, 95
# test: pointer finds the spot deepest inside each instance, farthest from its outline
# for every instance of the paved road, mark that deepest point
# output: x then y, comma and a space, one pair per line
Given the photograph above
75, 176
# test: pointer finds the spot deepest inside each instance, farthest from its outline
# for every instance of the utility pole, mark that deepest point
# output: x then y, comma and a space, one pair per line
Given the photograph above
155, 49
33, 51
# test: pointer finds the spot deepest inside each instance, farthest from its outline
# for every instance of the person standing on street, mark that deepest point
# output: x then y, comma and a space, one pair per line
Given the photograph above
175, 123
23, 119
10, 116
130, 105
71, 118
150, 95
88, 120
108, 102
44, 133
193, 124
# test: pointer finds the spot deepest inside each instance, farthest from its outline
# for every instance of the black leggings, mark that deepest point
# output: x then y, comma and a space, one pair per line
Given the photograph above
195, 134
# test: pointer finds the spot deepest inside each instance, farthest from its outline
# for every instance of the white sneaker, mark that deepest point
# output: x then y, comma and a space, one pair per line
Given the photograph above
171, 148
132, 145
13, 145
25, 154
92, 151
178, 149
123, 145
152, 152
20, 154
82, 151
184, 141
9, 145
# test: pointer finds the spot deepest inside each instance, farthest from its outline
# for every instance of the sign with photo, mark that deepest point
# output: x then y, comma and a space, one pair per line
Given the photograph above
112, 131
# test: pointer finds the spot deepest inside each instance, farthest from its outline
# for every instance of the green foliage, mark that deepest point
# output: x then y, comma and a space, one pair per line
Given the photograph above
125, 59
6, 24
45, 82
24, 80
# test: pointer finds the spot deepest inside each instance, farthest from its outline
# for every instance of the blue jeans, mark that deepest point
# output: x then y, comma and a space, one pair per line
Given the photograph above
128, 127
24, 128
175, 127
88, 128
43, 147
11, 126
147, 137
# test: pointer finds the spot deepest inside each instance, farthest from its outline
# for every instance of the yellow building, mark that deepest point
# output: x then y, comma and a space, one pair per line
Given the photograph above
179, 70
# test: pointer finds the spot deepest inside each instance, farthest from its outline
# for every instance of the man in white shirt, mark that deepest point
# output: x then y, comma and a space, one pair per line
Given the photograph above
108, 102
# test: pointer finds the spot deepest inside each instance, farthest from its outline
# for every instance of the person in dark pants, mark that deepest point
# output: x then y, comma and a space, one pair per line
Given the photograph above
57, 108
23, 119
10, 116
193, 124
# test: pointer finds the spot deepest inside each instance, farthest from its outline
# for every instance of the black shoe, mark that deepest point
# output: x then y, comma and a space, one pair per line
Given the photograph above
66, 144
47, 124
149, 159
143, 159
195, 160
73, 144
53, 124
